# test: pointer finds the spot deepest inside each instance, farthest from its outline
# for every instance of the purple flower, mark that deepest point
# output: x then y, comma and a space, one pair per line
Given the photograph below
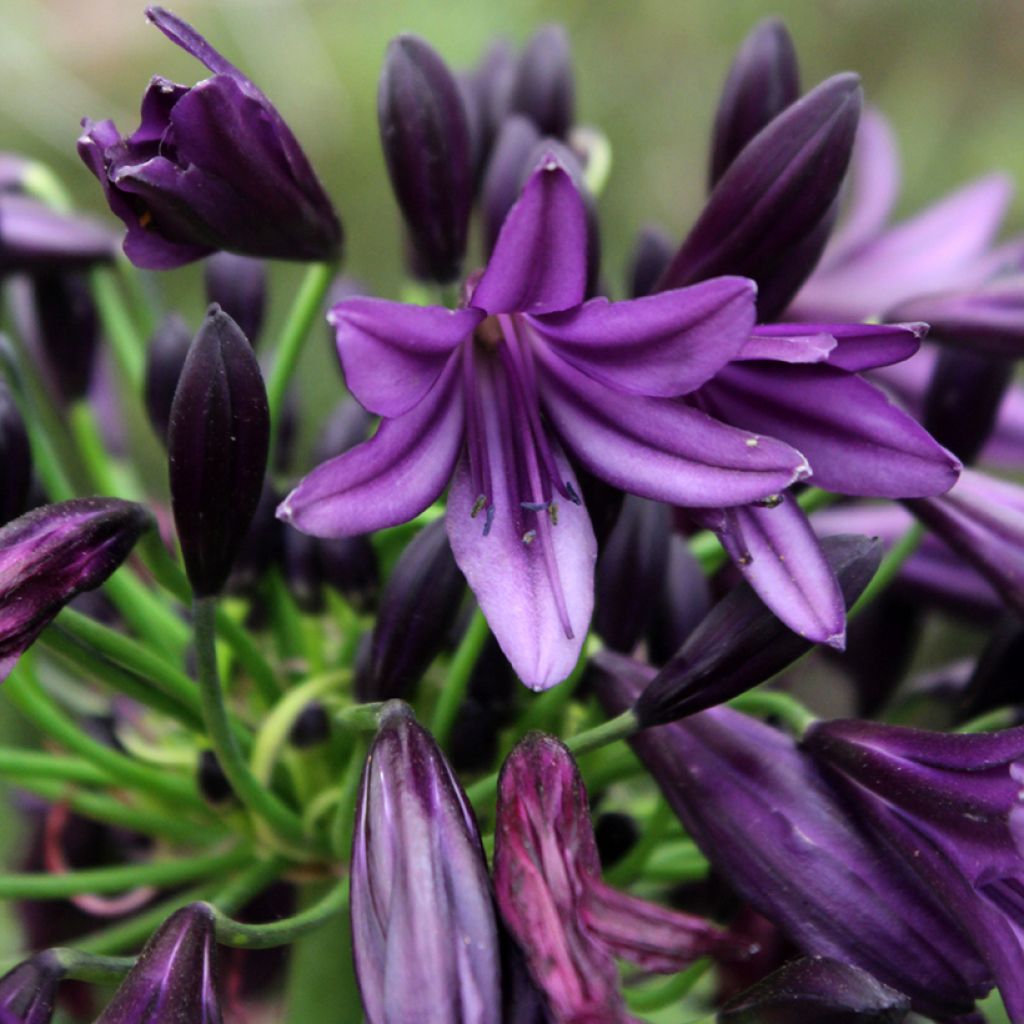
423, 930
33, 238
464, 391
53, 553
775, 830
570, 925
174, 979
210, 167
28, 992
951, 804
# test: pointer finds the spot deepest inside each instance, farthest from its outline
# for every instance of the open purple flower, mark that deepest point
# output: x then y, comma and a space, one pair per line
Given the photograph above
210, 167
491, 392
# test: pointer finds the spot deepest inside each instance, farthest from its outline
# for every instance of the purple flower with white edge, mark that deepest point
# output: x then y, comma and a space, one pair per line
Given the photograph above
53, 553
212, 166
491, 393
951, 803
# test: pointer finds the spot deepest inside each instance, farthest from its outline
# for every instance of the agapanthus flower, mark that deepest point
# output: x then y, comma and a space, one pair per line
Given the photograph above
951, 804
493, 390
569, 923
212, 166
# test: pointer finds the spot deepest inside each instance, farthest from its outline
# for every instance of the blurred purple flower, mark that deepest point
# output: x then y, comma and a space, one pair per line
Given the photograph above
34, 238
28, 992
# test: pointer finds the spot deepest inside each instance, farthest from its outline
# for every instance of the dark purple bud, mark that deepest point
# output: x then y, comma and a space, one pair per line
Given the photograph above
506, 170
349, 566
212, 782
487, 88
175, 978
963, 397
210, 167
348, 425
651, 254
775, 830
770, 214
35, 238
302, 570
424, 132
764, 79
816, 990
217, 443
28, 992
680, 603
52, 553
543, 87
632, 562
418, 606
238, 284
165, 357
15, 458
740, 643
424, 936
262, 546
311, 727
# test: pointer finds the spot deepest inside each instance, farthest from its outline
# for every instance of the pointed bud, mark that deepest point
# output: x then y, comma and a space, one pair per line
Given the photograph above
425, 135
15, 458
488, 86
174, 979
238, 284
740, 643
651, 254
165, 357
52, 553
217, 443
311, 727
28, 992
543, 87
68, 331
35, 239
418, 606
816, 990
506, 169
212, 782
770, 214
424, 936
681, 602
764, 79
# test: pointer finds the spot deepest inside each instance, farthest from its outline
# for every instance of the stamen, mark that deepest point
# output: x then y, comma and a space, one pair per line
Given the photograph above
478, 506
572, 495
534, 506
530, 536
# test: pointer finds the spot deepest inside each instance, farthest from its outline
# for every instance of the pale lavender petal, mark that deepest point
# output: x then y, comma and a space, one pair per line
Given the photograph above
787, 343
778, 553
855, 439
1006, 445
539, 263
851, 347
389, 479
660, 448
392, 353
662, 345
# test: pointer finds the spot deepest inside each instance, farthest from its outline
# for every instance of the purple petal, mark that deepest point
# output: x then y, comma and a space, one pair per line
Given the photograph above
659, 448
662, 345
389, 479
35, 238
184, 35
852, 347
393, 353
539, 263
787, 343
778, 553
855, 439
500, 188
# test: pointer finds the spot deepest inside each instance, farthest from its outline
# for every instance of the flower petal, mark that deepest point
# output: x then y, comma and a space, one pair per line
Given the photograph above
662, 345
392, 353
660, 448
856, 440
851, 347
539, 263
389, 479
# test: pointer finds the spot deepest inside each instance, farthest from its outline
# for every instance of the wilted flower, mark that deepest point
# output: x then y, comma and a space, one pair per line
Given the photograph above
28, 992
210, 167
423, 930
52, 553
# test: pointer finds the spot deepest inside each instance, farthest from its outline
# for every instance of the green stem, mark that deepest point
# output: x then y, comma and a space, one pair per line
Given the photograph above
110, 880
459, 672
306, 308
263, 803
990, 721
16, 763
672, 990
631, 866
890, 567
778, 704
285, 931
128, 347
89, 967
619, 728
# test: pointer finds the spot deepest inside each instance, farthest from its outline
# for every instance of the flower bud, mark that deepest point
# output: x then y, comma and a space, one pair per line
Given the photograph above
311, 727
349, 566
680, 603
425, 135
764, 79
15, 458
238, 284
28, 992
487, 87
651, 254
543, 87
52, 553
35, 238
174, 979
262, 545
740, 643
816, 990
424, 936
217, 442
165, 357
418, 606
68, 331
506, 169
